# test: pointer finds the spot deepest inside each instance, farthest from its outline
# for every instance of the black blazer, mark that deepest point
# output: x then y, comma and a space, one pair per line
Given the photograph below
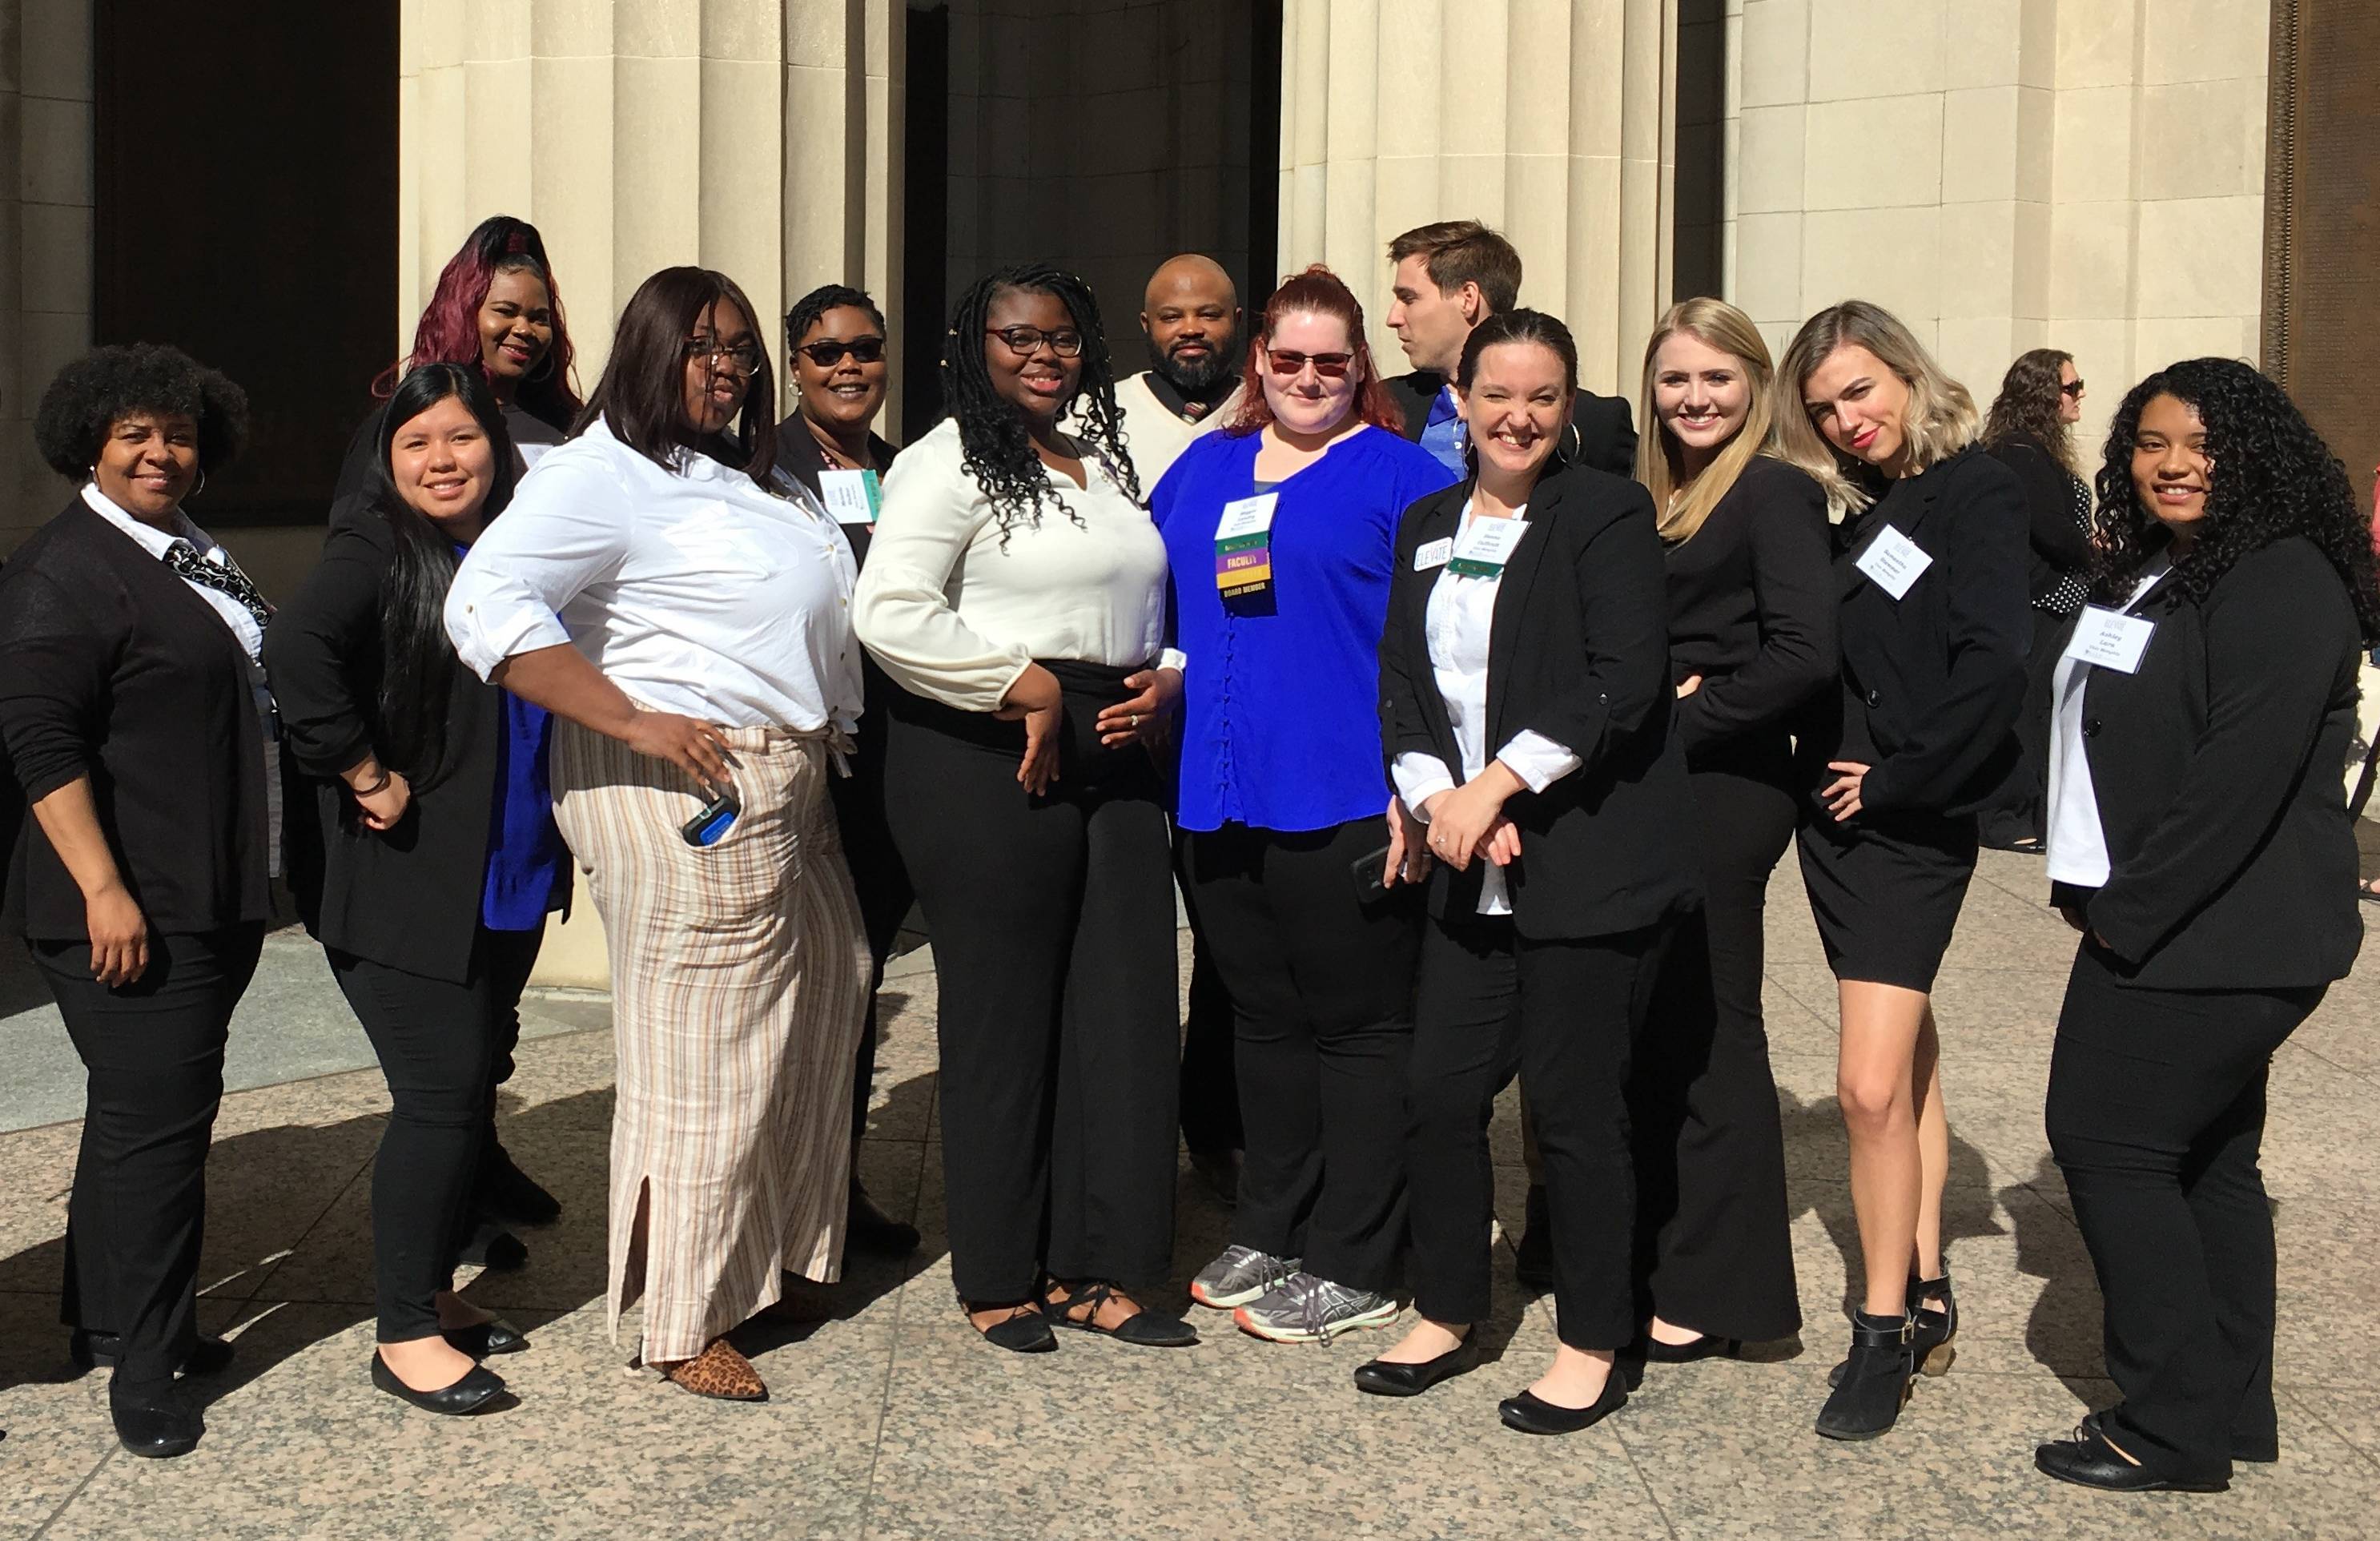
1933, 682
1603, 432
800, 457
1578, 650
2056, 506
114, 668
1751, 610
2216, 768
408, 898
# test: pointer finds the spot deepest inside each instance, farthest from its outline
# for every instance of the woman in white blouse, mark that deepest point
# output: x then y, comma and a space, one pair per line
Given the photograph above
690, 628
1015, 591
1525, 705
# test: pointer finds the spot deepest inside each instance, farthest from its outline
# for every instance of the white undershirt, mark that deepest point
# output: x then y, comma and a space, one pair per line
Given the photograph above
1458, 623
2077, 839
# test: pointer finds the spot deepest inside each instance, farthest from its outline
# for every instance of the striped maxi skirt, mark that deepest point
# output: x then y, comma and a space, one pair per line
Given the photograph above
739, 979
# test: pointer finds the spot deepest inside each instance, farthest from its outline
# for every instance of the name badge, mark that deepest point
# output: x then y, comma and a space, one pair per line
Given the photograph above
1482, 550
1244, 547
531, 454
1893, 561
2110, 639
851, 497
1433, 553
1246, 517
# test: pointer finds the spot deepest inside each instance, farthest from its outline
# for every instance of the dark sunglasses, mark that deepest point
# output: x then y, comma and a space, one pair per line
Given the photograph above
1289, 366
827, 354
2071, 388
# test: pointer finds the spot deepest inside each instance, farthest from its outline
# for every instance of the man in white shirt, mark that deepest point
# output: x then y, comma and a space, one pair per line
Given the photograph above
1191, 317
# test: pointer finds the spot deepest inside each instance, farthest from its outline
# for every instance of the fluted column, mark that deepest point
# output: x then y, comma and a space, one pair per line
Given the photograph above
1552, 120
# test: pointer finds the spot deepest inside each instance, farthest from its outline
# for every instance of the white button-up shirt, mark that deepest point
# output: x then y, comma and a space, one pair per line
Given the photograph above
1458, 622
695, 591
2078, 842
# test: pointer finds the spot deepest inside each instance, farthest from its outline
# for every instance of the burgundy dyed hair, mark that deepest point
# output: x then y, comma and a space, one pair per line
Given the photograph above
448, 331
1315, 292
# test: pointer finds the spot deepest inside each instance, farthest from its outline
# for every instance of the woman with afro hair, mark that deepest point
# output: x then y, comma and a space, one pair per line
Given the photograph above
2199, 841
134, 710
1016, 592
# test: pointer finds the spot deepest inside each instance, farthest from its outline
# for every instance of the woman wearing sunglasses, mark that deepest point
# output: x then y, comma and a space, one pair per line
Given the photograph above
1280, 531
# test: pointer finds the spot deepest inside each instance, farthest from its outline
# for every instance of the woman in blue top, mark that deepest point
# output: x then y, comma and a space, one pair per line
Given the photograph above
423, 854
1292, 509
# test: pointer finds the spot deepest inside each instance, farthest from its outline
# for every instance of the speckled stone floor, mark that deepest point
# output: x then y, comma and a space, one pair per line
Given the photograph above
888, 1419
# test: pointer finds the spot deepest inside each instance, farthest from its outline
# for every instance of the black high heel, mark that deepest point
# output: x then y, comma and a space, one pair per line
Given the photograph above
1866, 1401
479, 1387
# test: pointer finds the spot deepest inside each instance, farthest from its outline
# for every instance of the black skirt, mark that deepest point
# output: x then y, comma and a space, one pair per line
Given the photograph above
1886, 891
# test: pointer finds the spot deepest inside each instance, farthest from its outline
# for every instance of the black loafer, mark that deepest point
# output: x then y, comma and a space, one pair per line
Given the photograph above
497, 1335
872, 1229
1385, 1379
479, 1387
95, 1351
156, 1421
2088, 1461
1533, 1415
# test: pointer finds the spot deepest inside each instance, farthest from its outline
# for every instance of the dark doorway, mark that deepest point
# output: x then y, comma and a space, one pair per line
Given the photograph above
246, 211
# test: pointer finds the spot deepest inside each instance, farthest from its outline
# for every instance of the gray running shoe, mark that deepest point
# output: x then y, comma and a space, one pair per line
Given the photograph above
1305, 1309
1240, 1275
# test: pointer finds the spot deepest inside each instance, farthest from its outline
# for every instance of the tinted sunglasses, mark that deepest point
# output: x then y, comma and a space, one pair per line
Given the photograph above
827, 354
1329, 366
2071, 388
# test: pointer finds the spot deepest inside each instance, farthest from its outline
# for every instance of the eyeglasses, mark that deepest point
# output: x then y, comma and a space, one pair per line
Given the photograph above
1289, 366
827, 354
743, 357
2071, 388
1022, 340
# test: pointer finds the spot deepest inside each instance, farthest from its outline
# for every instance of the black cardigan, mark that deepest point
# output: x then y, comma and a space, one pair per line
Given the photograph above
112, 667
1578, 650
408, 898
2217, 771
1751, 610
1937, 677
2058, 542
1603, 432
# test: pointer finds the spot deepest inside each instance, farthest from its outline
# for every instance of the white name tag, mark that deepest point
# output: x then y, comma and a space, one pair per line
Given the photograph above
1248, 516
531, 454
1486, 544
1433, 553
1893, 561
851, 497
2110, 639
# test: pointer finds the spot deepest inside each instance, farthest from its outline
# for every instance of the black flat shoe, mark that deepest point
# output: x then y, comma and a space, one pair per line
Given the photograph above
1384, 1379
494, 1248
1874, 1382
479, 1387
1532, 1254
2088, 1461
506, 1192
1704, 1347
156, 1421
1145, 1328
1023, 1331
872, 1229
487, 1338
95, 1351
1534, 1415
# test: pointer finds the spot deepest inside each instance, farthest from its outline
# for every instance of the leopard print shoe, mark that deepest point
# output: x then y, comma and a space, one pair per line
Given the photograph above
718, 1372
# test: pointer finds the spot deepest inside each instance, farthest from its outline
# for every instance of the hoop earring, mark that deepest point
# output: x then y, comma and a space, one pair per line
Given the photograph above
202, 482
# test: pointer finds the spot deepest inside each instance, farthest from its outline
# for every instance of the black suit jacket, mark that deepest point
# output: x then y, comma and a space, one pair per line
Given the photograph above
800, 457
408, 898
1578, 650
1935, 678
1603, 432
2216, 768
2058, 542
114, 668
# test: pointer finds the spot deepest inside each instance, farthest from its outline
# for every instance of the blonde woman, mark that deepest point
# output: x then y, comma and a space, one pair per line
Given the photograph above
1752, 644
1930, 564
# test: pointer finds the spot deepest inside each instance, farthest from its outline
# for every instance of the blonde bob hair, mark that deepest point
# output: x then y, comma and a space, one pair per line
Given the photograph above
1683, 505
1940, 420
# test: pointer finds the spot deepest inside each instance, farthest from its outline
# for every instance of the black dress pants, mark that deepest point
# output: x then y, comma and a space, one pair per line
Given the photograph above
882, 884
1211, 1123
1714, 1241
154, 1051
1562, 1015
437, 1040
2156, 1111
1322, 993
1052, 919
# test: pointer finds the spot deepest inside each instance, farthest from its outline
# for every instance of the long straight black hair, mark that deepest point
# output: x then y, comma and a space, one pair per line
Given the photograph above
417, 658
641, 396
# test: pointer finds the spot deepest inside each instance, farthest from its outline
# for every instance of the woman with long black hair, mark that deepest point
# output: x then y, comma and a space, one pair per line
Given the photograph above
2199, 840
436, 859
1015, 591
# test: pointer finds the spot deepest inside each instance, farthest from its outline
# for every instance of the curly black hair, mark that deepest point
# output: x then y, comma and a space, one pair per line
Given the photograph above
2027, 407
96, 392
993, 446
818, 301
2272, 477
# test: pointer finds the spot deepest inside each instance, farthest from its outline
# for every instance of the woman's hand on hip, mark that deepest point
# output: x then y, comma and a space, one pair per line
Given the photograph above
384, 806
119, 937
696, 747
1842, 796
1144, 716
1036, 700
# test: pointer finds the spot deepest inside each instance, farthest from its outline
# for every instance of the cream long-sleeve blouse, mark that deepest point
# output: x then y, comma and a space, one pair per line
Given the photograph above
955, 609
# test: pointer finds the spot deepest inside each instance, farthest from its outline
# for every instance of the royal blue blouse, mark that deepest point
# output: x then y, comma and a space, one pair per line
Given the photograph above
527, 861
1281, 699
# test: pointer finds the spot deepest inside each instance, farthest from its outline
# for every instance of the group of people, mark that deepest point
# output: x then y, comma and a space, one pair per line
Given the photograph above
1469, 724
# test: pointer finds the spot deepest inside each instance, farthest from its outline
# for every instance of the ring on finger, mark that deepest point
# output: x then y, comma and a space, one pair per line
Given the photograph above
1133, 717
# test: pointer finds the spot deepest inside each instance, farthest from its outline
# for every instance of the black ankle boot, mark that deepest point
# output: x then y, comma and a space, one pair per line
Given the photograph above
1875, 1379
1930, 1340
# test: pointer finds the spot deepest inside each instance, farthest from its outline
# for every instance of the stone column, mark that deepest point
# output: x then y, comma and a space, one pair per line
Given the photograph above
1552, 120
45, 234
